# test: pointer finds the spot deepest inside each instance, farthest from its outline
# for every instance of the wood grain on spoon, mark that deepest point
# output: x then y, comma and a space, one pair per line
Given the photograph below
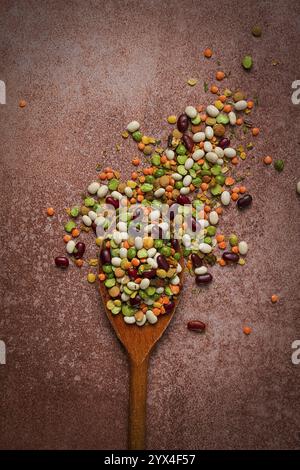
138, 341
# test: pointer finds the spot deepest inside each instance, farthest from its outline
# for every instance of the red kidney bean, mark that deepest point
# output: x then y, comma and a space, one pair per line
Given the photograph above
224, 143
135, 301
188, 142
113, 202
182, 122
61, 262
204, 278
244, 201
105, 256
196, 325
196, 260
182, 199
175, 244
79, 250
162, 262
169, 307
149, 274
132, 273
230, 256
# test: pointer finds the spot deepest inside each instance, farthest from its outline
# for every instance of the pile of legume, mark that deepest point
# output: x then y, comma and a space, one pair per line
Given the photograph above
196, 171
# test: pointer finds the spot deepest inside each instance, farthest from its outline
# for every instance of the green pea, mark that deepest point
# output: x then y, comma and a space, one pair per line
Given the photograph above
247, 62
216, 170
168, 291
211, 230
178, 184
197, 182
128, 291
89, 201
150, 179
196, 166
107, 268
137, 136
110, 276
166, 251
192, 173
150, 290
160, 172
116, 310
110, 283
110, 305
186, 252
131, 253
181, 170
155, 159
220, 179
180, 149
279, 165
69, 226
127, 310
216, 190
205, 173
158, 244
113, 244
233, 240
222, 119
142, 253
205, 166
196, 120
181, 159
74, 211
176, 256
197, 203
113, 184
207, 240
146, 187
115, 252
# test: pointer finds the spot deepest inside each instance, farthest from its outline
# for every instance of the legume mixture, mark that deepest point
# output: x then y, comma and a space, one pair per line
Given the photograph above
197, 167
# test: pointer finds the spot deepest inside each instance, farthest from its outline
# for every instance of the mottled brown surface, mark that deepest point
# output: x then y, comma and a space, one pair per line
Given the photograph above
86, 69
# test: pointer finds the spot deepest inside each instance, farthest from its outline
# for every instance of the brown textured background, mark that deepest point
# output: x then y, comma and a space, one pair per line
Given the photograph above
86, 69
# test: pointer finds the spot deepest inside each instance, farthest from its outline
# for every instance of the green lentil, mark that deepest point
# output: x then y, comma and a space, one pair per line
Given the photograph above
70, 226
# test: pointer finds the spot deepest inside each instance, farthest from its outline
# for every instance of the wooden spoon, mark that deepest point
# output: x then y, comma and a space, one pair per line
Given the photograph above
138, 342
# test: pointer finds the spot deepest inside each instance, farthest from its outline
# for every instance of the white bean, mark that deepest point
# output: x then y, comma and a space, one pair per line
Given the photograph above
219, 152
122, 226
123, 252
179, 268
100, 220
160, 290
230, 152
212, 111
220, 161
185, 190
152, 319
151, 252
133, 126
189, 163
191, 112
201, 270
187, 180
124, 297
116, 195
175, 281
145, 283
205, 248
154, 215
199, 137
211, 157
159, 192
243, 248
70, 246
142, 322
132, 285
240, 105
198, 154
117, 237
232, 118
138, 242
102, 191
186, 240
177, 176
152, 263
170, 154
93, 187
129, 320
128, 191
92, 215
225, 198
86, 220
116, 261
213, 218
207, 147
209, 132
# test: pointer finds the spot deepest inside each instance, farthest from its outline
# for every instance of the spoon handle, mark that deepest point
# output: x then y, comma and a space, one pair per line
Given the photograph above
137, 407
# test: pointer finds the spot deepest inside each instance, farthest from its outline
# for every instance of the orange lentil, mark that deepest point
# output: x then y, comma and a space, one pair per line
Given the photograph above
239, 121
247, 330
235, 249
227, 108
229, 181
220, 75
102, 277
133, 200
207, 209
174, 289
223, 98
243, 189
156, 311
203, 117
274, 298
207, 53
22, 103
109, 175
134, 175
220, 238
140, 198
79, 262
204, 186
75, 232
50, 211
268, 160
142, 180
200, 108
141, 146
235, 161
250, 104
221, 262
135, 262
163, 159
219, 210
102, 176
214, 89
125, 244
67, 238
234, 196
222, 245
255, 131
169, 188
235, 190
136, 161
